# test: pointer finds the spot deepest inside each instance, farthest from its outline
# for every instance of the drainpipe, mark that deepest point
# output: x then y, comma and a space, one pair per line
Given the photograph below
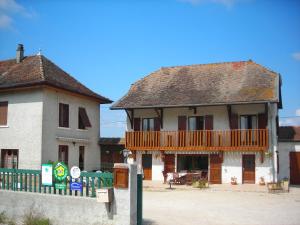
270, 109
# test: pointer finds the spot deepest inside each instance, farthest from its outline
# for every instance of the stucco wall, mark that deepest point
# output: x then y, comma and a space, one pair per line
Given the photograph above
24, 126
284, 149
232, 167
51, 130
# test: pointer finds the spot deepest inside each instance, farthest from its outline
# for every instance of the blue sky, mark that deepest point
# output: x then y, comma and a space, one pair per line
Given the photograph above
108, 45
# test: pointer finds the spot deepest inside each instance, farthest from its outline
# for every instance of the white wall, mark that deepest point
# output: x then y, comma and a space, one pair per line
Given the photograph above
24, 126
284, 149
51, 130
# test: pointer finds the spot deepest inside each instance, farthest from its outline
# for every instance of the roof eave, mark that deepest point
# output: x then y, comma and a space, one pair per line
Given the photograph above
191, 105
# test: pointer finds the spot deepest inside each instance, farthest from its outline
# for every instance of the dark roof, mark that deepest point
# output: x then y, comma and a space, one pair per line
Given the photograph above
112, 141
203, 84
38, 70
289, 134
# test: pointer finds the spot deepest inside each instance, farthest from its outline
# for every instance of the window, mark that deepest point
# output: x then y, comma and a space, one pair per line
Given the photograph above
63, 115
9, 158
63, 153
248, 122
148, 124
81, 157
3, 113
196, 123
83, 119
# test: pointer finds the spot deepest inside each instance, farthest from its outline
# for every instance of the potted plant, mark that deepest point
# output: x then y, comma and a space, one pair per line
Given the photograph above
285, 184
262, 181
233, 180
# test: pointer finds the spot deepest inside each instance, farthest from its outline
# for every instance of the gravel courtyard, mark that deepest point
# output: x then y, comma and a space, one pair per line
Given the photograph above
217, 206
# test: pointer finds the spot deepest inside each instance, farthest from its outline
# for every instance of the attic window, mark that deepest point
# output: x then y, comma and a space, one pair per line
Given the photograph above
83, 119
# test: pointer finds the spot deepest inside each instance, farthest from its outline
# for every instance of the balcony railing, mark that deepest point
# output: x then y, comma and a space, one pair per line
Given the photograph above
200, 140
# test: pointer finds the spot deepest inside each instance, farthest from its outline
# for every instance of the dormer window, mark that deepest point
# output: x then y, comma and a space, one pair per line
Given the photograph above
83, 119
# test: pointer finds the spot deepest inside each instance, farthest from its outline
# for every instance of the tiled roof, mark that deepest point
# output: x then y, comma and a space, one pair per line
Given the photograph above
289, 133
203, 84
38, 70
112, 141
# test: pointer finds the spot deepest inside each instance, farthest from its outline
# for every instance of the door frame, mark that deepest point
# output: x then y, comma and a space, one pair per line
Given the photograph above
292, 180
243, 180
209, 168
151, 165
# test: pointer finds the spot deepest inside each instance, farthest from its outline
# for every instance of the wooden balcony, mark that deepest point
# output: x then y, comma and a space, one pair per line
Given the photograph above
200, 140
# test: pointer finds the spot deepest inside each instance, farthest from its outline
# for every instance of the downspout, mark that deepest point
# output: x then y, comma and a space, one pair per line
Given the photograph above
270, 109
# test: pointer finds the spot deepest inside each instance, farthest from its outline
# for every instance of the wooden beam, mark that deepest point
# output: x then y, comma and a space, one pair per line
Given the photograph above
194, 108
160, 115
229, 114
130, 114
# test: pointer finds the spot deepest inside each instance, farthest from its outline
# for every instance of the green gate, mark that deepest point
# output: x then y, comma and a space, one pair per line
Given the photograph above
139, 199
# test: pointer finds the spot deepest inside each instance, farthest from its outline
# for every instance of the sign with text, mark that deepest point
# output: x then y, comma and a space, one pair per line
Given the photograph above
60, 186
76, 186
60, 171
47, 174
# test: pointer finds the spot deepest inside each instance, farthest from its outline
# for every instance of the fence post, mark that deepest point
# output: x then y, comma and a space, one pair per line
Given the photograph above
139, 199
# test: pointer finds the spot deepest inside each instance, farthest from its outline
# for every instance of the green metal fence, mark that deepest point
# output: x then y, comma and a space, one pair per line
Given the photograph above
31, 181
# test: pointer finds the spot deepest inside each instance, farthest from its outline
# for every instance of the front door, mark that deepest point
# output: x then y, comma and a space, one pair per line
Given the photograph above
215, 171
169, 163
248, 169
295, 167
147, 166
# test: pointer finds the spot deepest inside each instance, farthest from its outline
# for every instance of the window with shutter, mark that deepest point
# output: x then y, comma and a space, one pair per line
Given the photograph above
9, 158
63, 115
83, 119
3, 113
81, 157
63, 153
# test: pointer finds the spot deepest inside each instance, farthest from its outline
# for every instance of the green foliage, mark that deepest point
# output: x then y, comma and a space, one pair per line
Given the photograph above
200, 184
3, 217
35, 219
5, 220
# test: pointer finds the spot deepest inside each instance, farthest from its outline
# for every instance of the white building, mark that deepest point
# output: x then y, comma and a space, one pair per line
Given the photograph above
46, 115
289, 154
216, 119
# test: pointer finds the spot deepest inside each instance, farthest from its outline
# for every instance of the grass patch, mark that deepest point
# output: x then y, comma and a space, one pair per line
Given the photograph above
5, 220
35, 219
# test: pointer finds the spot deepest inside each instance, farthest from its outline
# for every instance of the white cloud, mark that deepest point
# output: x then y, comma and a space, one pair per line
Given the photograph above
296, 56
297, 112
227, 3
9, 9
5, 21
293, 121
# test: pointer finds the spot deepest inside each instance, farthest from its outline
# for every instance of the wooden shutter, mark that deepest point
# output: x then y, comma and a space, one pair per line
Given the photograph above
262, 121
84, 117
156, 124
234, 121
63, 115
137, 124
209, 122
181, 122
3, 113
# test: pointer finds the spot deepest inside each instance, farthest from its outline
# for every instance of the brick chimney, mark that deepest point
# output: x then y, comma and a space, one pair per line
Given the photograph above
20, 53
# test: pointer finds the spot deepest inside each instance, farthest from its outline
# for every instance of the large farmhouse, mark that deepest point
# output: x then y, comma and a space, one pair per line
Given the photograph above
219, 118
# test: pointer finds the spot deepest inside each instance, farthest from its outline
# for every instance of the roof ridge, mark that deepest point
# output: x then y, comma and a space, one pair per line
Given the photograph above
41, 67
215, 63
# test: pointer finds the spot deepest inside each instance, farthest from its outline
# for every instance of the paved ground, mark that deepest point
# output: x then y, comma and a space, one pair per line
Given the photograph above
220, 205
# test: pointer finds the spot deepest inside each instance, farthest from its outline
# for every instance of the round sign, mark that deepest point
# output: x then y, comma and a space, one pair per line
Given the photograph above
60, 171
75, 172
